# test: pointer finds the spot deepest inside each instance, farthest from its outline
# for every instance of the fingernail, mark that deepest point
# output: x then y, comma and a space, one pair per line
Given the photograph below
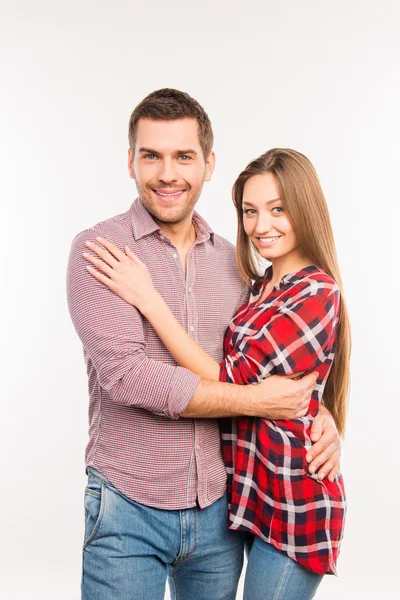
321, 476
85, 254
88, 244
99, 239
89, 268
312, 470
308, 458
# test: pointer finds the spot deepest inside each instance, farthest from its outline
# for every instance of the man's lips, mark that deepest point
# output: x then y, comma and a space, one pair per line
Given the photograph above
169, 194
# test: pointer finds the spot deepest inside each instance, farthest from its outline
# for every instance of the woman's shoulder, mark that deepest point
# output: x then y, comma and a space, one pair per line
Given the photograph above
319, 279
312, 282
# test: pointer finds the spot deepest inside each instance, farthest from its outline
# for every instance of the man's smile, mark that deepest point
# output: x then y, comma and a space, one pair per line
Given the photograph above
169, 194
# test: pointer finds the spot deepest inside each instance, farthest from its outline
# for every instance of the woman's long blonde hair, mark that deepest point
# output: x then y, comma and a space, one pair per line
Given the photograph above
304, 202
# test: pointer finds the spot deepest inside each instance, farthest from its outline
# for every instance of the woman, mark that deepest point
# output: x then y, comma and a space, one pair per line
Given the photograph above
293, 322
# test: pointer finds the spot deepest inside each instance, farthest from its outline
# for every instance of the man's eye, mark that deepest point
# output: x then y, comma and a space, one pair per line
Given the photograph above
184, 157
150, 156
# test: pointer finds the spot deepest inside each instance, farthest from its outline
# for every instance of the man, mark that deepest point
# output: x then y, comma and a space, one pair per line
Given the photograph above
155, 501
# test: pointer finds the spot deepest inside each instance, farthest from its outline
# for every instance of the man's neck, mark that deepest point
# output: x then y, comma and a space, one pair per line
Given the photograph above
182, 235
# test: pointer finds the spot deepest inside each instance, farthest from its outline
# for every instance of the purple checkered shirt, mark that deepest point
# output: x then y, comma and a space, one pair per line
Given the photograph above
137, 392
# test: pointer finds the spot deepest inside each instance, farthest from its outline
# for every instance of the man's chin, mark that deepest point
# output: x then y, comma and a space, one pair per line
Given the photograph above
167, 214
171, 219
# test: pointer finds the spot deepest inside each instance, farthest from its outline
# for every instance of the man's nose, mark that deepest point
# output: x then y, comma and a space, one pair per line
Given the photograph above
167, 172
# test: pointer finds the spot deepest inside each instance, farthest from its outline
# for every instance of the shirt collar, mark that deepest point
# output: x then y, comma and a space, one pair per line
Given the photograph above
290, 278
143, 224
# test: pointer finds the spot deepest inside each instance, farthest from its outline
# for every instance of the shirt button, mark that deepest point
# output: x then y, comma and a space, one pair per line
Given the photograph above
198, 447
190, 290
175, 255
191, 328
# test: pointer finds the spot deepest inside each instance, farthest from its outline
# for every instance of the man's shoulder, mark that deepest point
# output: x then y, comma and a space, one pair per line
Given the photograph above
224, 246
225, 253
226, 263
220, 244
117, 229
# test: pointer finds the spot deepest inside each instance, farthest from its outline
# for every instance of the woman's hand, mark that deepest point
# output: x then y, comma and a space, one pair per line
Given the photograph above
124, 274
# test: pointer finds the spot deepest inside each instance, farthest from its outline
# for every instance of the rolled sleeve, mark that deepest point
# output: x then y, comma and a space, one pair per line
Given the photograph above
182, 389
112, 335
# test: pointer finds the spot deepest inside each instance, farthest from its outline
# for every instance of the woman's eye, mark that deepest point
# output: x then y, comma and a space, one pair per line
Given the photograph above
278, 210
249, 211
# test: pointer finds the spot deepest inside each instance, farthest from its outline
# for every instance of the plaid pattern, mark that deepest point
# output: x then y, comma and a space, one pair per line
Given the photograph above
271, 493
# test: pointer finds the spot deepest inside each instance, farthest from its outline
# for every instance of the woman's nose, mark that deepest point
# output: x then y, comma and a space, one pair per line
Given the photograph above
263, 224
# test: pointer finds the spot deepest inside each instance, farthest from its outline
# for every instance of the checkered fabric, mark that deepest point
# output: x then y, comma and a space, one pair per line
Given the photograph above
137, 392
271, 493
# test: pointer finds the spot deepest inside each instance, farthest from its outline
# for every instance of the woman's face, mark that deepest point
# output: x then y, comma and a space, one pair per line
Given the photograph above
264, 218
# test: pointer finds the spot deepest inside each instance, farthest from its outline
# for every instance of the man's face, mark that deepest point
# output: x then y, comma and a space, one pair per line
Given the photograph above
169, 168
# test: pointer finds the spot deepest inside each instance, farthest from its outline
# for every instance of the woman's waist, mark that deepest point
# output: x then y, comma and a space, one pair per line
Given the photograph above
279, 435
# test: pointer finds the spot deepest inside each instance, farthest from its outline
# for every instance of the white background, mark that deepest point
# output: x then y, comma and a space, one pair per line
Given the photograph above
320, 77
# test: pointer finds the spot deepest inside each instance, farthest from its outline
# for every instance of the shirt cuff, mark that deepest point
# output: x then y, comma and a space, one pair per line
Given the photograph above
182, 388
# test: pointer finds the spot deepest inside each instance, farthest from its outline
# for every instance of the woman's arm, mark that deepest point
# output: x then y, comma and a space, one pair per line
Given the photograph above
184, 349
114, 268
128, 277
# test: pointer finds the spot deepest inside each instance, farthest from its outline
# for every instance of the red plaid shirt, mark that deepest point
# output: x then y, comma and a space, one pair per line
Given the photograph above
137, 392
271, 492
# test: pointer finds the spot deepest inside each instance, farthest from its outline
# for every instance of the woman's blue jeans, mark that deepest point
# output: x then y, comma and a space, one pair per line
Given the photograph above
130, 550
272, 575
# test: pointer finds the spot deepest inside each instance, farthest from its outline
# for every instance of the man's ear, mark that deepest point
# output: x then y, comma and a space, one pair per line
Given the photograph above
130, 164
210, 166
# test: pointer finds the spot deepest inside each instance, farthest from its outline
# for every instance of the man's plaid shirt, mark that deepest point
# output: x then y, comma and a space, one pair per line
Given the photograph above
271, 492
137, 391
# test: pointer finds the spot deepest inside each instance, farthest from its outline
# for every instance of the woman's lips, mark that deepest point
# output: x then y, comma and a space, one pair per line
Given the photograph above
266, 242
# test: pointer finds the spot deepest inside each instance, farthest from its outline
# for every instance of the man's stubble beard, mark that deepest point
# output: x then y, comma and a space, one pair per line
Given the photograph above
182, 212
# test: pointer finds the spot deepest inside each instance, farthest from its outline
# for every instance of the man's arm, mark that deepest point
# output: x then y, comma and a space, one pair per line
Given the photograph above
112, 334
278, 397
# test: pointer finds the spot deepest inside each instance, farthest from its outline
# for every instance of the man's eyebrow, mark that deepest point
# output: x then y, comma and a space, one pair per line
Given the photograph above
188, 151
269, 202
179, 152
148, 150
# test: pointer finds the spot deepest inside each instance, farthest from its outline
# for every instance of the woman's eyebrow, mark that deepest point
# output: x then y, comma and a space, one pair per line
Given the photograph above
268, 202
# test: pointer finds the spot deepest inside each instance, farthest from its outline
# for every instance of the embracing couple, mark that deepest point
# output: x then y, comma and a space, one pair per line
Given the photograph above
217, 390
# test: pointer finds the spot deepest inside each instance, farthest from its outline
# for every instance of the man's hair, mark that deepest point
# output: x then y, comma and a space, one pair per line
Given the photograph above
168, 105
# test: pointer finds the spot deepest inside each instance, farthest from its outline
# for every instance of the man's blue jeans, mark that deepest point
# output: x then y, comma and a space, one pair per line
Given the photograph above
131, 549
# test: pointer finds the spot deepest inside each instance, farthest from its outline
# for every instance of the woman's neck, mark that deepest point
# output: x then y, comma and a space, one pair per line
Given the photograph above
290, 263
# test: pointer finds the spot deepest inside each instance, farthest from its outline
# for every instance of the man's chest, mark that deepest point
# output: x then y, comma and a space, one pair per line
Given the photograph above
203, 298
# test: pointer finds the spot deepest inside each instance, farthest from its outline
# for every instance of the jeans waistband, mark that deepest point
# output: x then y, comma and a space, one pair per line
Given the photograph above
92, 471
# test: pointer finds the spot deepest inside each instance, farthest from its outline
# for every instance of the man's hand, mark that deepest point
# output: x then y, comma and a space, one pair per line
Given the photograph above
325, 452
280, 397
